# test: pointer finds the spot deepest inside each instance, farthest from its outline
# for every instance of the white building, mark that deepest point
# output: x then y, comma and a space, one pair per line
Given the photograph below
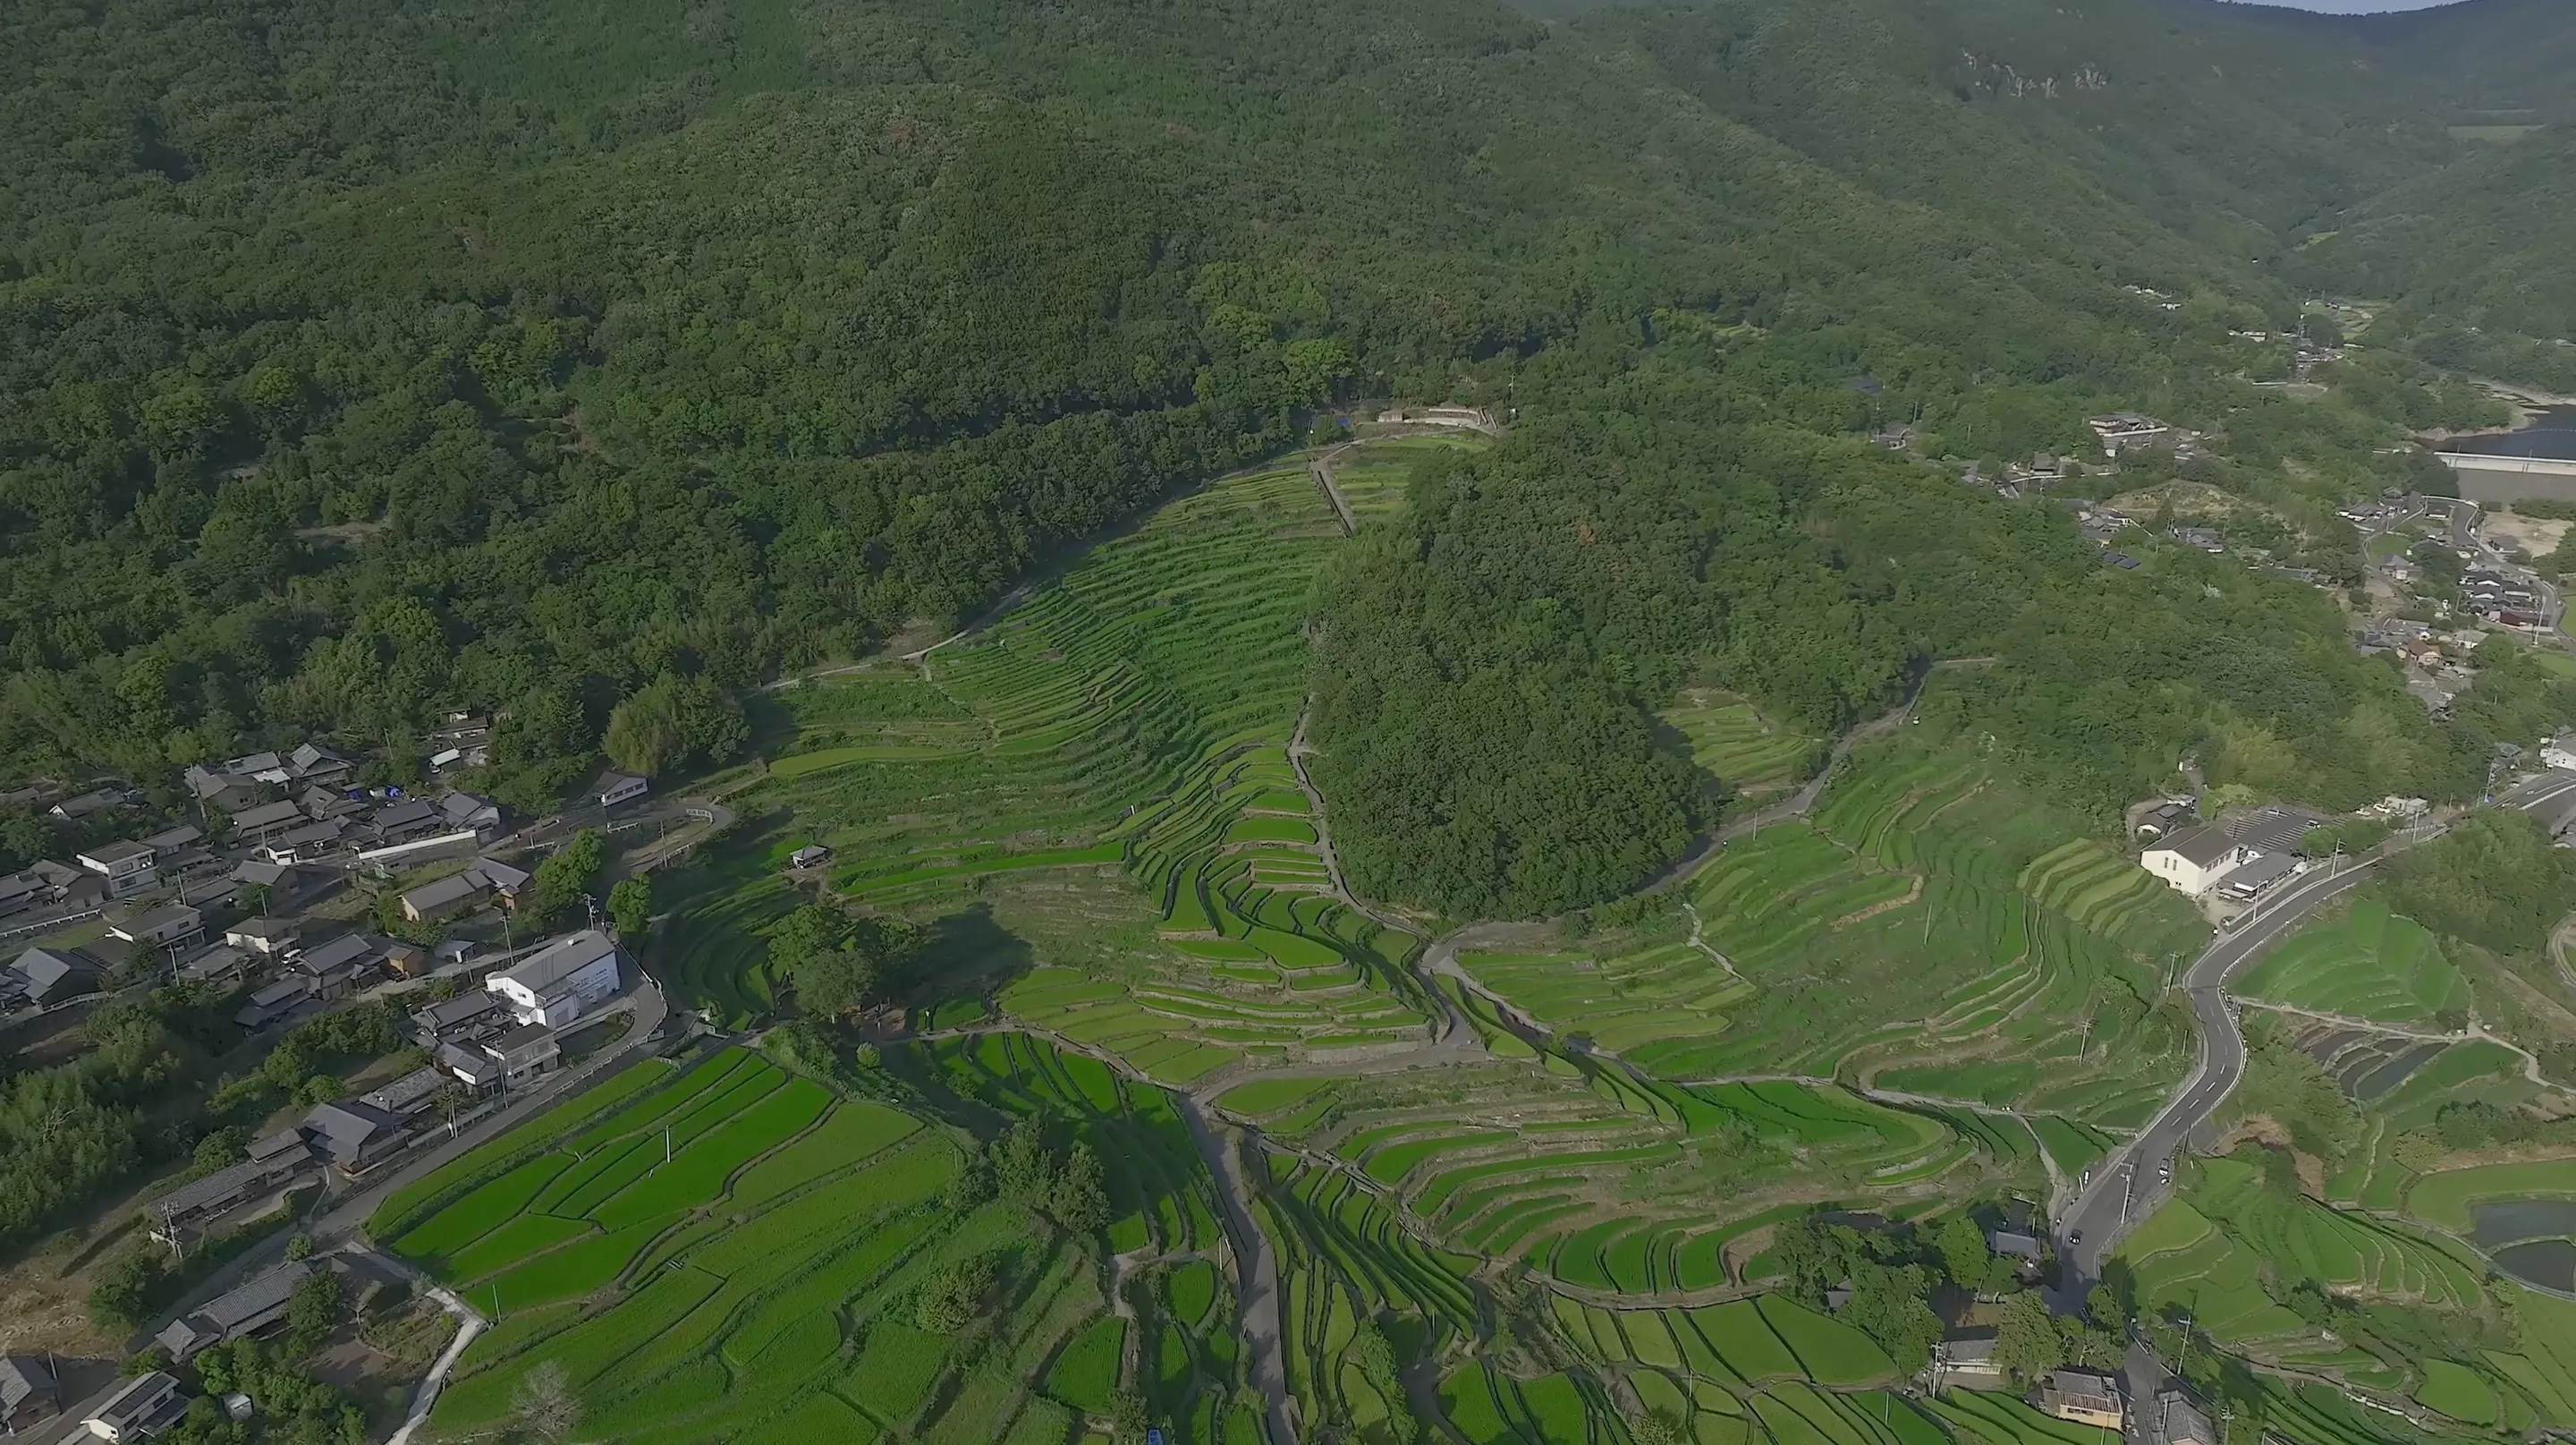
2192, 860
560, 982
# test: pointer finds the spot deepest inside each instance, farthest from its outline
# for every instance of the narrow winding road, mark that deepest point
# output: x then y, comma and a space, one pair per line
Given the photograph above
2125, 1184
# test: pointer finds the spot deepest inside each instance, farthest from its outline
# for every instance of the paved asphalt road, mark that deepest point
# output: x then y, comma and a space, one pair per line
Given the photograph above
2124, 1185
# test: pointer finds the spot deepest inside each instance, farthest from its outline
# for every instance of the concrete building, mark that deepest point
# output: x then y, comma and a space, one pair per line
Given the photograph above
560, 982
525, 1054
2192, 860
2087, 1397
249, 1309
619, 788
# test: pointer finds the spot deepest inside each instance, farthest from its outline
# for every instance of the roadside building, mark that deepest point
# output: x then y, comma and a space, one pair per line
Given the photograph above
184, 1210
2087, 1397
467, 813
406, 960
141, 1408
309, 843
619, 788
2014, 1244
2180, 1422
355, 1136
2272, 828
525, 1054
2254, 879
29, 1394
2192, 860
812, 855
249, 1309
560, 982
20, 892
471, 1067
409, 1094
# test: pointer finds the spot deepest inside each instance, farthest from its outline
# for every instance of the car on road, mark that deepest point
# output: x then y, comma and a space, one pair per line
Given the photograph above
2075, 1237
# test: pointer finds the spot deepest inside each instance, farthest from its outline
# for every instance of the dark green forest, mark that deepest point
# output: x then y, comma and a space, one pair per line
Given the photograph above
364, 360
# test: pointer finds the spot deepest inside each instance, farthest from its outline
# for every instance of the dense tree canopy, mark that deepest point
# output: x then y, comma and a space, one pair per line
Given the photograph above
369, 360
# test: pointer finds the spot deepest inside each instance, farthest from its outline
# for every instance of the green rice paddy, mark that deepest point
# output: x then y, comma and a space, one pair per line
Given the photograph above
2211, 1250
731, 1253
1577, 1167
2368, 964
1754, 757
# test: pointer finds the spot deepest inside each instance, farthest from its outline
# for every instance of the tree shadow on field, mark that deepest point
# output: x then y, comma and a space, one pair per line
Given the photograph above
970, 954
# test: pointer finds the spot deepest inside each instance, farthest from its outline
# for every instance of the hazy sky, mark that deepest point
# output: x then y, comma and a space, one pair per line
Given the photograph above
2357, 7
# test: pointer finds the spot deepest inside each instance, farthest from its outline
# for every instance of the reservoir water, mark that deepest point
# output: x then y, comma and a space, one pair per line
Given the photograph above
2552, 433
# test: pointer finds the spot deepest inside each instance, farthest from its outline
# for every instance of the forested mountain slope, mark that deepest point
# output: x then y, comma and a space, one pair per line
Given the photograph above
368, 359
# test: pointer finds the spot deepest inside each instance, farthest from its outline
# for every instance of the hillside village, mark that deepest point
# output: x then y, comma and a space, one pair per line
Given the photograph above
419, 965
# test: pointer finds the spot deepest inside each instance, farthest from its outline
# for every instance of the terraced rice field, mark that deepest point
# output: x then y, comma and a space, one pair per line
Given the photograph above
1190, 1348
2405, 1081
1934, 930
732, 1254
1572, 1165
1753, 756
1158, 1191
1372, 476
2446, 1198
2367, 964
1125, 724
1342, 1257
2210, 1250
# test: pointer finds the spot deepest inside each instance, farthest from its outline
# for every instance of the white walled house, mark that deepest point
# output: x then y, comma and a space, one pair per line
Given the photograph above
2193, 860
560, 982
